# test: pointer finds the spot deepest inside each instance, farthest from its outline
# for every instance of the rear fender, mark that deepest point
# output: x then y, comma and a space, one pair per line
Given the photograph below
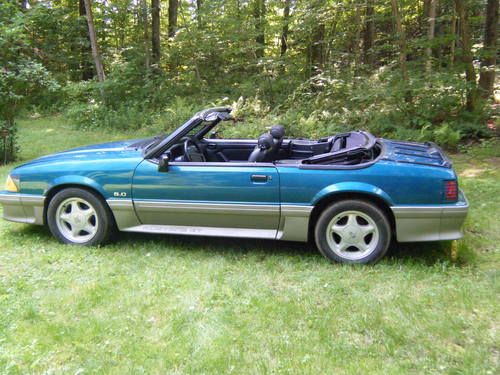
352, 187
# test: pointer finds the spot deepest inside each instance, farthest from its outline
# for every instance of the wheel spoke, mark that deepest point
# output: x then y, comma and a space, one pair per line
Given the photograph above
75, 230
66, 217
342, 245
339, 229
367, 229
88, 213
362, 246
90, 229
351, 219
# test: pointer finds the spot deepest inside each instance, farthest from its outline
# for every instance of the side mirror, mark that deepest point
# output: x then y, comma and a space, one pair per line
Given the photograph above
163, 163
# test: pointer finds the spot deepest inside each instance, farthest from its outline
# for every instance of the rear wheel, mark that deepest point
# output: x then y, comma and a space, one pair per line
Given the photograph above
352, 231
76, 216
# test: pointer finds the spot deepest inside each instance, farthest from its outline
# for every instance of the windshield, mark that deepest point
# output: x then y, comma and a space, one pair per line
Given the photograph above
197, 129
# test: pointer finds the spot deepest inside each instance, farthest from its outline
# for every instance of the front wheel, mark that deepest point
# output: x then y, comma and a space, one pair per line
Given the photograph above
353, 231
76, 216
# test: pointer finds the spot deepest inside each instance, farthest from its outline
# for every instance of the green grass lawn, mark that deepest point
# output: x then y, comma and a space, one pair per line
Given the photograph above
179, 305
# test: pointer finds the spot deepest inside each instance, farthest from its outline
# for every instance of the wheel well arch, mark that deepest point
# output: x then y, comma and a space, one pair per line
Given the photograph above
345, 195
56, 189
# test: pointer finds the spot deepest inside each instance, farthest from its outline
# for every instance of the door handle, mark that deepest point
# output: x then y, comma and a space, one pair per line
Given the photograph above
260, 178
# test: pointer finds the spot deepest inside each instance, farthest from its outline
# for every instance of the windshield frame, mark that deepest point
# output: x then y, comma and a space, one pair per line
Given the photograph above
211, 115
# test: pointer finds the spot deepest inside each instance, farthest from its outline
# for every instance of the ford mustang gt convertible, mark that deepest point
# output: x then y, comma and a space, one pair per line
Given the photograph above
350, 193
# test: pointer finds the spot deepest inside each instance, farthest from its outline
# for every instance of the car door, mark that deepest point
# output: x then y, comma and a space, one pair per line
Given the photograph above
223, 199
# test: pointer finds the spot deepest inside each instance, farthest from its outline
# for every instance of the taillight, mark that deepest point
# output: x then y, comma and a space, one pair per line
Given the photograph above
451, 191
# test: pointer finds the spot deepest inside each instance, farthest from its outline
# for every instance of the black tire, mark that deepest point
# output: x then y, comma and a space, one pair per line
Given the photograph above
102, 217
379, 242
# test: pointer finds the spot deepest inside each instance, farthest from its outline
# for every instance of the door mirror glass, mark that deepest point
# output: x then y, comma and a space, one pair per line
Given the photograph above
163, 163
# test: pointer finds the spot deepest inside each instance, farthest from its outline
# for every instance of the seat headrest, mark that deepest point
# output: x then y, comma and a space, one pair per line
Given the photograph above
265, 141
277, 131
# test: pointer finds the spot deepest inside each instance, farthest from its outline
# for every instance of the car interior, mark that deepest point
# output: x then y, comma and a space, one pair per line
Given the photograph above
352, 148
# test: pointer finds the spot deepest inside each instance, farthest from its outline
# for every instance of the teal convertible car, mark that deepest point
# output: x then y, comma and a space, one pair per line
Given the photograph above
350, 193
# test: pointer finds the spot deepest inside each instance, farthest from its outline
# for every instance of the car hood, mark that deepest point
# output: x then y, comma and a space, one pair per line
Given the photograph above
122, 149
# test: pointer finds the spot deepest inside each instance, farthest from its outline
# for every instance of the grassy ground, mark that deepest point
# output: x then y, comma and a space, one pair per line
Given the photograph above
167, 304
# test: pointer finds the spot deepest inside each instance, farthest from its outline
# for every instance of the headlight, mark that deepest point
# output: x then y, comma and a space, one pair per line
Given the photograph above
12, 184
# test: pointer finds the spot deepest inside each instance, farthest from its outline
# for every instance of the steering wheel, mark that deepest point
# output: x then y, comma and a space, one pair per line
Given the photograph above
192, 152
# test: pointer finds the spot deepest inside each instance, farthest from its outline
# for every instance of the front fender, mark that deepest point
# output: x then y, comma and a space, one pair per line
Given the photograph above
77, 180
352, 187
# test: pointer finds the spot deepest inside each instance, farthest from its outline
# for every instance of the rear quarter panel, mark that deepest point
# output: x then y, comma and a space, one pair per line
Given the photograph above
395, 183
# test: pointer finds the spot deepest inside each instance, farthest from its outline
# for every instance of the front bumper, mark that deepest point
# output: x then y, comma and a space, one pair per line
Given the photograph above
431, 223
22, 208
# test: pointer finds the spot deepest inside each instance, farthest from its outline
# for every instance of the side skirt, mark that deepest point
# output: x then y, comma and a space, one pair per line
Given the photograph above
204, 231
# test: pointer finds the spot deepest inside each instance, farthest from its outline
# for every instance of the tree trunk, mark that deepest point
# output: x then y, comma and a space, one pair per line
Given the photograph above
369, 33
430, 34
488, 61
470, 73
199, 4
401, 39
145, 27
173, 5
357, 35
155, 32
453, 32
259, 12
85, 50
284, 31
93, 42
317, 49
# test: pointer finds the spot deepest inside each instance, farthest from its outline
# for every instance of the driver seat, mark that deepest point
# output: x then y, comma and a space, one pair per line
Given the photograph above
264, 150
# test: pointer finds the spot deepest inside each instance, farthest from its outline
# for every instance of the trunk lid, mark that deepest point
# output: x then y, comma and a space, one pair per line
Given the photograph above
427, 153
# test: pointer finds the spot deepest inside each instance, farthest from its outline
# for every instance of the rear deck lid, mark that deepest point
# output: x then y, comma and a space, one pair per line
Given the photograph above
427, 153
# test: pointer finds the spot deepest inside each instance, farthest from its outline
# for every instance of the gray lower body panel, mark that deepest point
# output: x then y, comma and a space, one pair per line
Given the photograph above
201, 214
23, 208
430, 223
218, 219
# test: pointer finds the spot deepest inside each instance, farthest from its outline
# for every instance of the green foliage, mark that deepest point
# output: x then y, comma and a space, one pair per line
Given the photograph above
22, 79
446, 136
320, 85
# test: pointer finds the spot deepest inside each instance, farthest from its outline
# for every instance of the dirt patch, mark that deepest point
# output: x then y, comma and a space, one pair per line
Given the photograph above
494, 161
472, 172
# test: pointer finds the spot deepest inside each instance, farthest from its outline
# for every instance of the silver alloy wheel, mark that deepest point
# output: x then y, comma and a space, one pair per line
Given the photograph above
77, 220
352, 235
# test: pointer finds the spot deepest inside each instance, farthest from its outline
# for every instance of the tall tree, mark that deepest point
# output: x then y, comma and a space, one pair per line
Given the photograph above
173, 6
356, 39
369, 33
398, 24
259, 14
145, 32
199, 18
317, 49
465, 37
453, 33
85, 50
488, 61
284, 30
155, 31
93, 42
431, 17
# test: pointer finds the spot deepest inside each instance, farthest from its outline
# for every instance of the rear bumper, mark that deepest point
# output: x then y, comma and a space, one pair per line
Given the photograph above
431, 223
22, 208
